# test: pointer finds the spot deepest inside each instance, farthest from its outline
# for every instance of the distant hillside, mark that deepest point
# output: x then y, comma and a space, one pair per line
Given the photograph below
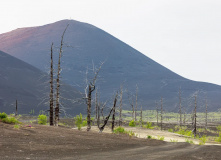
27, 84
123, 64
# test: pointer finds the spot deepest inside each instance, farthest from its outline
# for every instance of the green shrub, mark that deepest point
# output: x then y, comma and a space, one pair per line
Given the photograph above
160, 138
202, 140
132, 123
173, 140
78, 121
170, 130
42, 119
218, 128
16, 126
10, 120
3, 115
130, 133
149, 125
218, 139
149, 137
119, 130
84, 123
185, 132
189, 141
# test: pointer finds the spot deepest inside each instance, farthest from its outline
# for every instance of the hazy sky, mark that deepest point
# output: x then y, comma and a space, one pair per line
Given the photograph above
182, 35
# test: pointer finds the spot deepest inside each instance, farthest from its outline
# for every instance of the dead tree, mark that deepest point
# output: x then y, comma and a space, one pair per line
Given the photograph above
88, 93
96, 105
98, 115
135, 114
102, 110
121, 98
16, 108
194, 129
161, 115
57, 108
184, 116
51, 89
107, 118
90, 90
180, 107
157, 112
141, 116
98, 111
206, 116
113, 116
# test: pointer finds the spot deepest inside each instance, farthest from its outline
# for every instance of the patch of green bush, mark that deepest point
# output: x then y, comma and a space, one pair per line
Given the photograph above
218, 139
121, 130
203, 140
132, 123
160, 138
16, 126
173, 140
189, 141
42, 119
170, 130
218, 128
149, 125
10, 120
78, 121
149, 137
3, 115
185, 132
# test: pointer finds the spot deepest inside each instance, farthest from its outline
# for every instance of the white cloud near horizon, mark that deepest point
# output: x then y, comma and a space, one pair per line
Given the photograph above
182, 35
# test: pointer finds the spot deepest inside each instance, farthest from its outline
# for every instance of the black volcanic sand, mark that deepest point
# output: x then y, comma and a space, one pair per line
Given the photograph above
45, 142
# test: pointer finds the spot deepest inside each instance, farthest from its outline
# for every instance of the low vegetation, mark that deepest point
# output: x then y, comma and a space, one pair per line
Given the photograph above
189, 141
78, 120
132, 123
42, 119
6, 119
121, 130
203, 140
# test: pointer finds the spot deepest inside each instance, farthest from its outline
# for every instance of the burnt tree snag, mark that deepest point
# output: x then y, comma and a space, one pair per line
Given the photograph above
113, 116
51, 89
57, 108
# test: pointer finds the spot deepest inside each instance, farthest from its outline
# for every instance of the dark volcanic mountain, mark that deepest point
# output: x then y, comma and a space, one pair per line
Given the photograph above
123, 64
29, 85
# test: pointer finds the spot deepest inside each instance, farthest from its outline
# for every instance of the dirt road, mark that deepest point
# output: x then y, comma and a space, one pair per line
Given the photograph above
44, 142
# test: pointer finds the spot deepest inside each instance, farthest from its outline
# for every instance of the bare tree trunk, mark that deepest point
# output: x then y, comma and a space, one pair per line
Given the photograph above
51, 90
106, 120
180, 111
184, 116
121, 98
194, 130
102, 112
98, 115
90, 90
161, 115
16, 108
206, 117
141, 116
135, 115
57, 108
157, 112
96, 105
113, 116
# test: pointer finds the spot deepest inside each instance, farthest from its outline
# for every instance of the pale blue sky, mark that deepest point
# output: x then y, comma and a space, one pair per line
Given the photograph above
182, 35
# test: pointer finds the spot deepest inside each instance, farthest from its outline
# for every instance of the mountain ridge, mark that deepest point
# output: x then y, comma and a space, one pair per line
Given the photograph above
90, 45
